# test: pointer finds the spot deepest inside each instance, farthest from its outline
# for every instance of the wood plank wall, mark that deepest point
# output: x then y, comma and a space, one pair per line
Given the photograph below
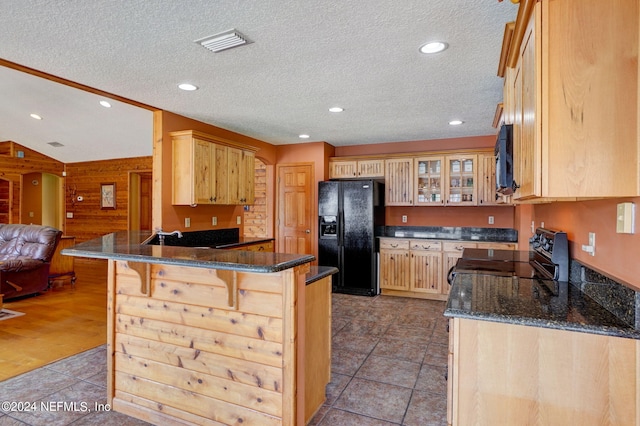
12, 168
255, 220
89, 220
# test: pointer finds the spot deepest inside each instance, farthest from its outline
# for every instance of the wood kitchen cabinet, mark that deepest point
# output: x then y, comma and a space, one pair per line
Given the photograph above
487, 195
426, 266
502, 373
429, 172
399, 182
394, 264
365, 168
575, 111
461, 187
419, 267
240, 173
210, 170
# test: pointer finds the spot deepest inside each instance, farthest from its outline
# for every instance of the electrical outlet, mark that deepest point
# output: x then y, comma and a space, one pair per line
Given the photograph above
238, 220
69, 215
404, 218
533, 227
491, 220
187, 222
214, 221
591, 247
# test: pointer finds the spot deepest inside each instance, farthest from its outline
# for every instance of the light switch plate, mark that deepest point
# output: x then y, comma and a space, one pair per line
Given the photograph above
214, 221
187, 222
238, 220
625, 218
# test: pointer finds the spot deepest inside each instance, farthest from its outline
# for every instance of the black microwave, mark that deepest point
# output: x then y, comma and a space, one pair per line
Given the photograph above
504, 160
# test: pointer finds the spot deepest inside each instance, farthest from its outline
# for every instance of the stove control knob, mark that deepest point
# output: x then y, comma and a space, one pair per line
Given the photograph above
546, 246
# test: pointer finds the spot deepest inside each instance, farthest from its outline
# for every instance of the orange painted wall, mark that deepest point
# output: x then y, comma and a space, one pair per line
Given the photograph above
616, 255
473, 142
451, 216
173, 216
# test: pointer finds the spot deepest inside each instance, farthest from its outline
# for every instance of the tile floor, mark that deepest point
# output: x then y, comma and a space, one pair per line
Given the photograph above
388, 366
389, 362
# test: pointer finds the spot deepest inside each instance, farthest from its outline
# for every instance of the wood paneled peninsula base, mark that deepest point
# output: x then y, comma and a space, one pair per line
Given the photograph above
206, 336
519, 354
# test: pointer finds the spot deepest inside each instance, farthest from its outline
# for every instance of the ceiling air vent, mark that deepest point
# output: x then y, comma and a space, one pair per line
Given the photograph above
55, 144
223, 41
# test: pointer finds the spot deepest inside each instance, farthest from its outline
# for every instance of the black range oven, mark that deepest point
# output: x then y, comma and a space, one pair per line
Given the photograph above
548, 259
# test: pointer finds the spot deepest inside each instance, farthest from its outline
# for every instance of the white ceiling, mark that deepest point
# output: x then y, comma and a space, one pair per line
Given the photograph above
306, 56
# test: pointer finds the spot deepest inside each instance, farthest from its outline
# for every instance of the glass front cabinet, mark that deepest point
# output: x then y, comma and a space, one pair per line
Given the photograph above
462, 178
429, 172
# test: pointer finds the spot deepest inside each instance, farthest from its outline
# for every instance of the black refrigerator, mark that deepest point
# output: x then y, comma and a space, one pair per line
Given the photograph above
349, 213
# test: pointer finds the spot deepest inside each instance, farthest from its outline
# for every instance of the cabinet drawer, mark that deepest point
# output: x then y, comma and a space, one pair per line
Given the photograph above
458, 245
426, 245
393, 243
497, 246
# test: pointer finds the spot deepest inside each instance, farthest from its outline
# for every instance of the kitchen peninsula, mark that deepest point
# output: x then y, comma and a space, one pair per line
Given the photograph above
521, 353
198, 335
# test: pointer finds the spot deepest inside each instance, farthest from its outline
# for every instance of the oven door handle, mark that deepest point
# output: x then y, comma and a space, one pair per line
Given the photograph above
451, 275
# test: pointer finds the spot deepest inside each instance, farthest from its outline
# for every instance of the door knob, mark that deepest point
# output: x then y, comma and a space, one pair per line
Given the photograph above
308, 231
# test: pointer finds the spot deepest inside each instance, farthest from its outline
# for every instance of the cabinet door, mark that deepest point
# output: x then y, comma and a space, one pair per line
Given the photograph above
487, 195
452, 251
370, 168
249, 177
342, 169
426, 271
394, 269
204, 172
462, 177
429, 172
399, 182
530, 147
237, 174
221, 195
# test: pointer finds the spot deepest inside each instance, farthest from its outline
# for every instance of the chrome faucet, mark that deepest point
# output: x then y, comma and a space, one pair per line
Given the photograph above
161, 234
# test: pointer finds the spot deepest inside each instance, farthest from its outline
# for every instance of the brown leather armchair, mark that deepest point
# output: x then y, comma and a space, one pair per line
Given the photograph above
25, 253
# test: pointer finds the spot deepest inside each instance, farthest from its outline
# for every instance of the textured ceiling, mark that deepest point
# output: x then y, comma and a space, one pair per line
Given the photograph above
306, 56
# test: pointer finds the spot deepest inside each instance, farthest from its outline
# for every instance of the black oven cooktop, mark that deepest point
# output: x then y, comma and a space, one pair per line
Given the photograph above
548, 259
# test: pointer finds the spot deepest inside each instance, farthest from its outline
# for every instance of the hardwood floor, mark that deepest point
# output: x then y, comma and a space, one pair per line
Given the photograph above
57, 323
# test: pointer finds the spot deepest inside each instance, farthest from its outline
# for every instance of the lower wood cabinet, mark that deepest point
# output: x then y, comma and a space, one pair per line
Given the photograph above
418, 268
394, 264
263, 246
511, 374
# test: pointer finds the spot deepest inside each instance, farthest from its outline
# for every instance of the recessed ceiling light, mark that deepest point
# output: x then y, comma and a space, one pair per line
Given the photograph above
304, 136
455, 122
336, 109
188, 87
433, 47
36, 116
105, 104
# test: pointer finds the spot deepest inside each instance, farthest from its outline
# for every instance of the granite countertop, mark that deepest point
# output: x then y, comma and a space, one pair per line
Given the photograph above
531, 302
127, 246
507, 235
243, 241
317, 273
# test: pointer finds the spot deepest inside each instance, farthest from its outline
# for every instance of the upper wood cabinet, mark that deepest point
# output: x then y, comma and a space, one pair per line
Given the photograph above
210, 170
429, 172
399, 182
574, 81
487, 195
348, 169
461, 187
